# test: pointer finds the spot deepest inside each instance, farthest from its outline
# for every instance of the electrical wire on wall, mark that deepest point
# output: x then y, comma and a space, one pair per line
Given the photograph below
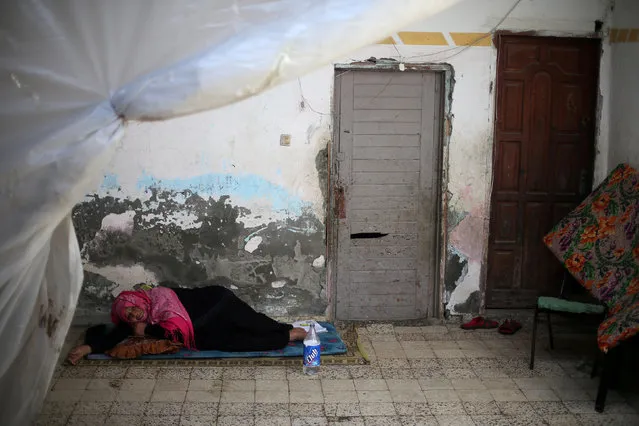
457, 50
305, 101
460, 49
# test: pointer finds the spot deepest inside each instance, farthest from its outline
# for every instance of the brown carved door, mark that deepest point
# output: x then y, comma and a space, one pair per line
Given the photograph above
543, 159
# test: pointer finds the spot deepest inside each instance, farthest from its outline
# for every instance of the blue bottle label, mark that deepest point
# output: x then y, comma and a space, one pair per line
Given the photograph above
312, 356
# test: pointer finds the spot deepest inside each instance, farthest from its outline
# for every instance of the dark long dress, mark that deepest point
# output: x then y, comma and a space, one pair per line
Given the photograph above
221, 321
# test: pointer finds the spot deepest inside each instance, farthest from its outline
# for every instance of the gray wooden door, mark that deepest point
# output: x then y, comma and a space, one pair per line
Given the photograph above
387, 200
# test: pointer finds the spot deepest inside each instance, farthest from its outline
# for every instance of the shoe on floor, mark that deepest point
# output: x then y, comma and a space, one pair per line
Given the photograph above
509, 327
479, 323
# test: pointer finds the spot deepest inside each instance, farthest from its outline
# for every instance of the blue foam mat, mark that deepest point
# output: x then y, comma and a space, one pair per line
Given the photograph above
331, 344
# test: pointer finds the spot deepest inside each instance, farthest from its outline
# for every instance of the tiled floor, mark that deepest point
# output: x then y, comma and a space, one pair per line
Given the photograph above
434, 375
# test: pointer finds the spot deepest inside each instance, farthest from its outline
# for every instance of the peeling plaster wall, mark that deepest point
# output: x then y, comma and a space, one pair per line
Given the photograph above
215, 198
624, 130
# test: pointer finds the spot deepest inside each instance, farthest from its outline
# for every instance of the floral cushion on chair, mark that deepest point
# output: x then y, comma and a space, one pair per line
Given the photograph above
598, 243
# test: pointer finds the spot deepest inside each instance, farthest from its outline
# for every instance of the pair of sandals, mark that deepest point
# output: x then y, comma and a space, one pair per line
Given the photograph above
509, 326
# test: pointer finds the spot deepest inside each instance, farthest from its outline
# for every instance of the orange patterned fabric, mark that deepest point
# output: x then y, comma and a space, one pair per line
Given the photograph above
598, 243
134, 347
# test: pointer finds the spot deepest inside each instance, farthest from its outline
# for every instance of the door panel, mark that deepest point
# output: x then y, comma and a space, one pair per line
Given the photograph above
543, 159
388, 172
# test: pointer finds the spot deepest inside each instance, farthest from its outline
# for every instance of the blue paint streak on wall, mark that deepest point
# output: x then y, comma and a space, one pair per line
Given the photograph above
110, 182
237, 187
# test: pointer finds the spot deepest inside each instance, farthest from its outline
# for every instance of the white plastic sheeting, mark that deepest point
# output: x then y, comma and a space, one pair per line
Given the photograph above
73, 72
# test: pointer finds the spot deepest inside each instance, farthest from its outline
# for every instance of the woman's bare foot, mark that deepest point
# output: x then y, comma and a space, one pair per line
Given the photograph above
297, 334
77, 353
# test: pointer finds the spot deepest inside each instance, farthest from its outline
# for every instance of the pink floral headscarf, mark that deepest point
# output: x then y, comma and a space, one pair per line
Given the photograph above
161, 306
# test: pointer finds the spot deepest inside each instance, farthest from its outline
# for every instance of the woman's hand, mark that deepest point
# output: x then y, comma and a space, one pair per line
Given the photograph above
296, 334
77, 353
138, 328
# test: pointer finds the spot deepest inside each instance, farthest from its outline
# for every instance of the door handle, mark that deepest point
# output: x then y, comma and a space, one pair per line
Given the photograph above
367, 235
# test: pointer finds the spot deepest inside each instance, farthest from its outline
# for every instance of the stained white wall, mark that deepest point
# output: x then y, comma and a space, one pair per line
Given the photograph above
624, 119
236, 150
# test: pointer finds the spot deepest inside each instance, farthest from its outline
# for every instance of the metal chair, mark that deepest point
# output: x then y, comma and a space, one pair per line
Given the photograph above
563, 306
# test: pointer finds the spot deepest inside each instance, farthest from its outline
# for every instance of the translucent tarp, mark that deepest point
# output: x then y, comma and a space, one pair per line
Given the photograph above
73, 72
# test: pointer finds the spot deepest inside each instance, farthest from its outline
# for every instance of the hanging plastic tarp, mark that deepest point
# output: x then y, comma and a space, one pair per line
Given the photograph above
73, 72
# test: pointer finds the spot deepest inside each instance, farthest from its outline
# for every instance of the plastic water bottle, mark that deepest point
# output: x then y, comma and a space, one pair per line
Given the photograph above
311, 352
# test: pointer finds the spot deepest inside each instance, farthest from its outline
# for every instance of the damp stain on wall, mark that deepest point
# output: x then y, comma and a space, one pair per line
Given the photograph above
471, 305
185, 238
455, 266
321, 164
239, 187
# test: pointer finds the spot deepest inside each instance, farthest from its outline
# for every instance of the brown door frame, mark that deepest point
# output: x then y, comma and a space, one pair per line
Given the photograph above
596, 121
335, 207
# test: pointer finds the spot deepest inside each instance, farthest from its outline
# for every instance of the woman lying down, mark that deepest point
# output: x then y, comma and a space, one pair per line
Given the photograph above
205, 318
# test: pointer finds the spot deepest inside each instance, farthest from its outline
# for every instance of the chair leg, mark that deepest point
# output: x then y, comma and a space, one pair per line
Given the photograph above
552, 340
534, 339
598, 357
604, 383
595, 365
